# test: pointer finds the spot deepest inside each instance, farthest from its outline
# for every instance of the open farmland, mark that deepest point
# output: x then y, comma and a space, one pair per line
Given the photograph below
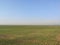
29, 35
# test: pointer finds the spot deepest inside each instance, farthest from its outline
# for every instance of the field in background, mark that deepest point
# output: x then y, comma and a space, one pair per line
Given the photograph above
29, 35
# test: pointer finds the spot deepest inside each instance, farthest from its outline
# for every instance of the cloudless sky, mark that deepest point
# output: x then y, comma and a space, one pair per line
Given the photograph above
29, 12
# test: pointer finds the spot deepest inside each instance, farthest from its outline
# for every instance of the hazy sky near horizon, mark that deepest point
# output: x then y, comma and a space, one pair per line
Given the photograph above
29, 12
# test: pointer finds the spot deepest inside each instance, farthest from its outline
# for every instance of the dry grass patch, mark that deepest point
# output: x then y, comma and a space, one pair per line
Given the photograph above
7, 36
58, 37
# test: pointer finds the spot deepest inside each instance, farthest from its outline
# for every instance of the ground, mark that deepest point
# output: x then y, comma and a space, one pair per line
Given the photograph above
29, 35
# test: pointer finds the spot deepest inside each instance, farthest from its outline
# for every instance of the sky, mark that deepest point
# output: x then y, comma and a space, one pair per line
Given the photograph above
29, 12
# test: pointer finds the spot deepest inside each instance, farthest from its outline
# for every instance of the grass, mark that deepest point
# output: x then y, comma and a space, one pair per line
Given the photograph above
29, 35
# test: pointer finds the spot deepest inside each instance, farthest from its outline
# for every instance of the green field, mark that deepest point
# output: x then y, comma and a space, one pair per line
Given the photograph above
29, 35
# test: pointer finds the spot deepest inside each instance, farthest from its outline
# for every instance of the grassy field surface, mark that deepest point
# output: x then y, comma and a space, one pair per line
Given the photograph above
29, 35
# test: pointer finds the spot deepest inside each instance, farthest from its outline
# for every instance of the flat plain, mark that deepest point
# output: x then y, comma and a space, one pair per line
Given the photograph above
29, 35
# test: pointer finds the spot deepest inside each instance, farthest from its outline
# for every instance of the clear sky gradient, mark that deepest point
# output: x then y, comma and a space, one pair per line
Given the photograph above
29, 12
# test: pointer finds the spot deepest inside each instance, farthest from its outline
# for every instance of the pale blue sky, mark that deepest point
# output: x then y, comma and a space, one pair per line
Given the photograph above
29, 12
